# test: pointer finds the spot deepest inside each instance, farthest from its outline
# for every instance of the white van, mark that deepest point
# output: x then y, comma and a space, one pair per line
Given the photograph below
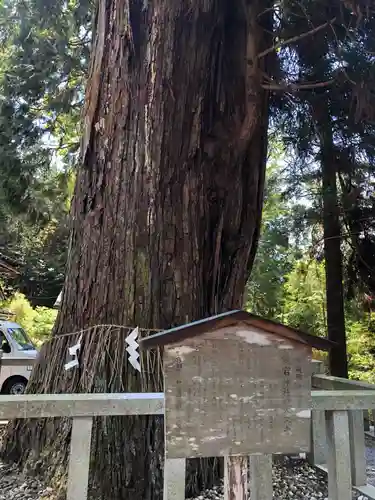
18, 355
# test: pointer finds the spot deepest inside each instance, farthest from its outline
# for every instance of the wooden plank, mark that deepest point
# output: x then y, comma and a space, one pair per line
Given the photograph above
357, 448
338, 456
235, 478
261, 477
80, 405
343, 400
174, 479
328, 382
79, 462
256, 403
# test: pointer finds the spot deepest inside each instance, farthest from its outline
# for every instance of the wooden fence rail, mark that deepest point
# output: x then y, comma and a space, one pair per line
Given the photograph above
342, 410
82, 408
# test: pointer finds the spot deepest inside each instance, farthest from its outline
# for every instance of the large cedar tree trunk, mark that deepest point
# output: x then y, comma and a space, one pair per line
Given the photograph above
166, 211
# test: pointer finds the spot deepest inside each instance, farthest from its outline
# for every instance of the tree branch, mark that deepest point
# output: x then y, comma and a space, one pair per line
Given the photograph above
295, 38
292, 87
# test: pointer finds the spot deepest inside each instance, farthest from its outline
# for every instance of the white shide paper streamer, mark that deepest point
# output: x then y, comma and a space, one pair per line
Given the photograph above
132, 350
73, 351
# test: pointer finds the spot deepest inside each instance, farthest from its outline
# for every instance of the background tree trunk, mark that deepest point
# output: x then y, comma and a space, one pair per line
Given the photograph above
333, 265
165, 216
338, 363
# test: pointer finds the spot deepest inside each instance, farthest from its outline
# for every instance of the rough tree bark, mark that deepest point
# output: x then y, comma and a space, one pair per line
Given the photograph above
167, 205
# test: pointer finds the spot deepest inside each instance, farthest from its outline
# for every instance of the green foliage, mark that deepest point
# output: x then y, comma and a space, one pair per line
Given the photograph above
361, 347
46, 54
304, 298
37, 322
41, 248
273, 256
343, 107
44, 249
301, 304
288, 283
44, 49
281, 239
304, 308
21, 307
44, 320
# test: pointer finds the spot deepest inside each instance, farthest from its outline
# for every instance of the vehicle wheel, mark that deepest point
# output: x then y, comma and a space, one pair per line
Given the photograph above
15, 386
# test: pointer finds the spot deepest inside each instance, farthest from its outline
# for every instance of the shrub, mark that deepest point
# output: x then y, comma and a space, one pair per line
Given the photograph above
37, 323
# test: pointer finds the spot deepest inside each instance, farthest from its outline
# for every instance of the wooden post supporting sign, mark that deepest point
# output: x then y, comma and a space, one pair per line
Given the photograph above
235, 478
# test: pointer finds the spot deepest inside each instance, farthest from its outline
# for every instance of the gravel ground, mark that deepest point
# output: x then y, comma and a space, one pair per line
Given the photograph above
292, 480
370, 460
15, 486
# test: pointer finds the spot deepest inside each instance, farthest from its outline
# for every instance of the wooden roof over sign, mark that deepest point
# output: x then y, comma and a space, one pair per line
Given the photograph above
197, 328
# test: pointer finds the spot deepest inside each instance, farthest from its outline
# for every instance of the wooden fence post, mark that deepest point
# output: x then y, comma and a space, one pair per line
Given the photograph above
174, 479
366, 421
235, 478
338, 451
261, 477
79, 461
357, 448
317, 454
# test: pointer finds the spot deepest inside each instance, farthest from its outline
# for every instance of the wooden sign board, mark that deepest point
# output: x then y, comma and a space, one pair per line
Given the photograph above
237, 390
